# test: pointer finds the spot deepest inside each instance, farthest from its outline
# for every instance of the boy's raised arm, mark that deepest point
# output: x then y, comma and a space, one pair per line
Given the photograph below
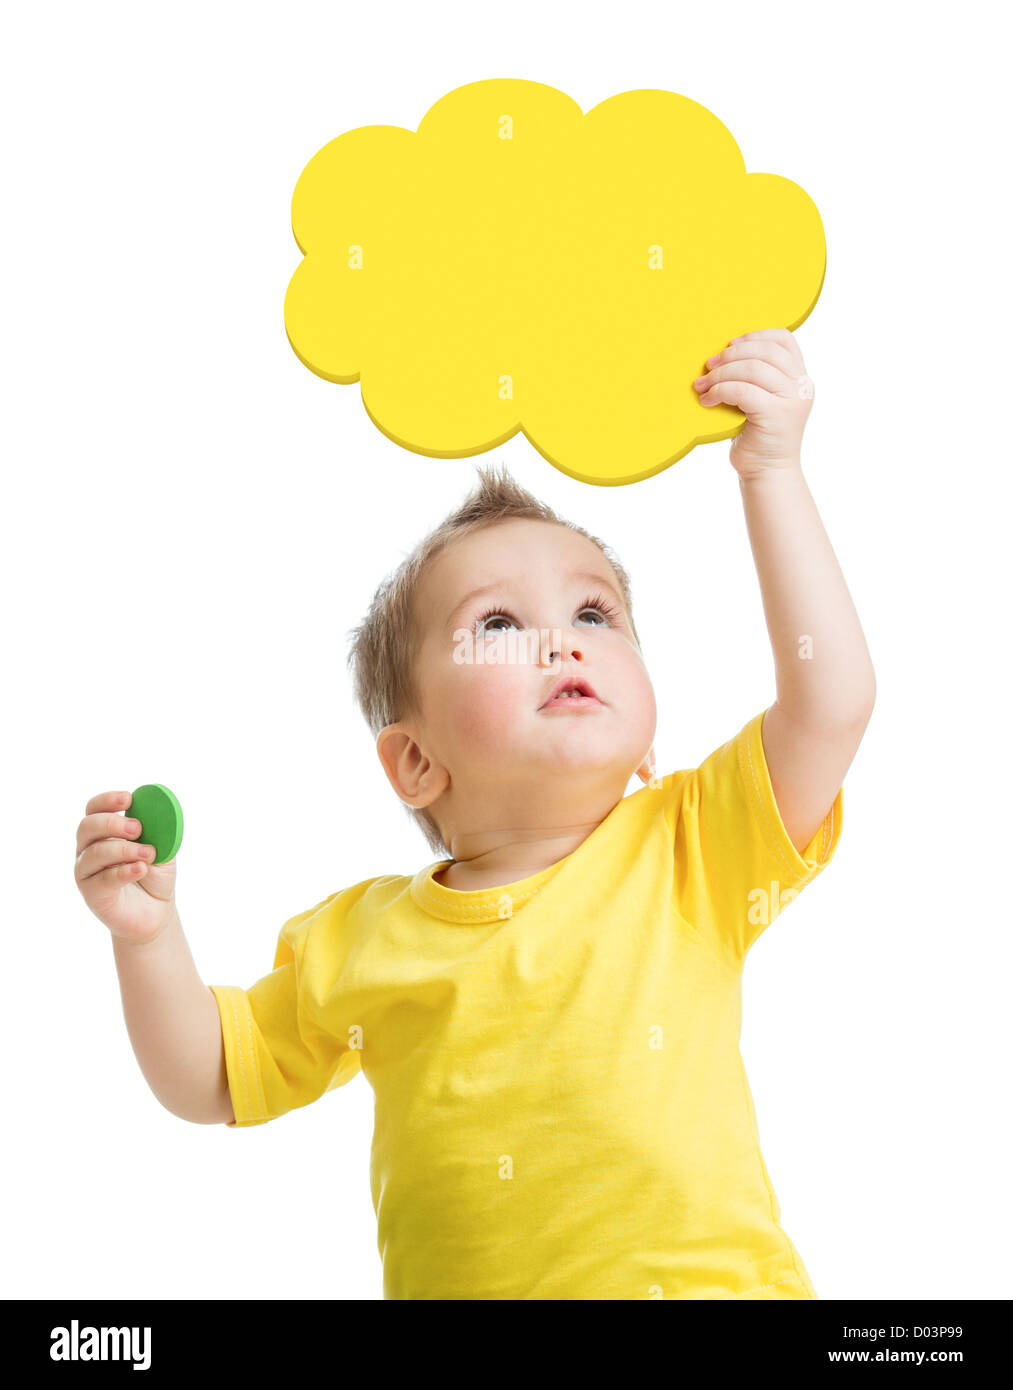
826, 686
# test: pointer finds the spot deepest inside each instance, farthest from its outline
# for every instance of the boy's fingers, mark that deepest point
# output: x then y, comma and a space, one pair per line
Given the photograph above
101, 825
764, 374
109, 801
763, 350
105, 854
738, 394
780, 335
787, 341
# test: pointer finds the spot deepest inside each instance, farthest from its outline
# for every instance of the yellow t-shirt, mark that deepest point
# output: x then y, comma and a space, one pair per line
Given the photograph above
561, 1108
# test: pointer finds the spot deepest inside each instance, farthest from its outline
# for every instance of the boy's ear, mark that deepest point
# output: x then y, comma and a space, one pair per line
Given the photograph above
416, 779
646, 770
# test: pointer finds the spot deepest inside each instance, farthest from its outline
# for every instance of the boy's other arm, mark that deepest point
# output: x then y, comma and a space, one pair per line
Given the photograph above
826, 686
174, 1026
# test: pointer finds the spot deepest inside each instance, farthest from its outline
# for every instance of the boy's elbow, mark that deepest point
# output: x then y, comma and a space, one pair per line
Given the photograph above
871, 700
201, 1111
222, 1115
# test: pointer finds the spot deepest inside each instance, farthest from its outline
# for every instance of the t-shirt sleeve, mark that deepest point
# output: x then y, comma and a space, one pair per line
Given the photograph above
736, 867
278, 1057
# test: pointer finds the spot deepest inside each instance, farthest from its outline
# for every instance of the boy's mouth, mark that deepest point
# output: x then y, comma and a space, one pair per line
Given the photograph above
571, 692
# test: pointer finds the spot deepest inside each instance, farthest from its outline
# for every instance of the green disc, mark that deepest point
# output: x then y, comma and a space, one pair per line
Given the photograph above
161, 818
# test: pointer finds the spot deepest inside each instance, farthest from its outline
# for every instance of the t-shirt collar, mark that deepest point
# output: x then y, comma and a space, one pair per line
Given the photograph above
479, 904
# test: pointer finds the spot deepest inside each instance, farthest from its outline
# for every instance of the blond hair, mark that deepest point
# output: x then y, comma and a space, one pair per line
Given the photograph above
385, 645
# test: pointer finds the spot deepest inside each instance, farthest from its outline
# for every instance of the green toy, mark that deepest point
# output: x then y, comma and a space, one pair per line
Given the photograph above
161, 818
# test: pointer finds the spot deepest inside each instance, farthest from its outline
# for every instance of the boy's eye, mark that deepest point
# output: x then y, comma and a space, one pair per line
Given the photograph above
487, 623
603, 611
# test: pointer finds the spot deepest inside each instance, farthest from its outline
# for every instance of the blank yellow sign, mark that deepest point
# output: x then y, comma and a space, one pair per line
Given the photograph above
515, 264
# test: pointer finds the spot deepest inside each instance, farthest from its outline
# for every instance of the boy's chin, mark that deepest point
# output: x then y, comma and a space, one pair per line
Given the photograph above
575, 759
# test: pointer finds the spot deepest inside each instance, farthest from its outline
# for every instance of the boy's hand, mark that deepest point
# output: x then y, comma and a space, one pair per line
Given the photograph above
763, 375
134, 898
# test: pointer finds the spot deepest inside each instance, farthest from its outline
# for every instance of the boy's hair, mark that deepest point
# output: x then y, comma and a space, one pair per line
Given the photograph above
385, 645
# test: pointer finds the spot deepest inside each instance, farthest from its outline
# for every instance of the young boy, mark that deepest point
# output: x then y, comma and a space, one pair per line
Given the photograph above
549, 1013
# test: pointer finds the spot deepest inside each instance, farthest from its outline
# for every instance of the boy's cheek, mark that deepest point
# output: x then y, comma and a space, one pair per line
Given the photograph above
645, 699
632, 687
488, 705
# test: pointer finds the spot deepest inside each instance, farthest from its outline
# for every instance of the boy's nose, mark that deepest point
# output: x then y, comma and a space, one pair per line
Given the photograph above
548, 654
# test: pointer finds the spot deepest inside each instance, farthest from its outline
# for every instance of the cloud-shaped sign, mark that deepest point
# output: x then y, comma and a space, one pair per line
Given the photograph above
515, 264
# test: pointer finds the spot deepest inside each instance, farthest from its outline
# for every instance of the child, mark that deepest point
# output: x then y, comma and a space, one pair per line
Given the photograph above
549, 1013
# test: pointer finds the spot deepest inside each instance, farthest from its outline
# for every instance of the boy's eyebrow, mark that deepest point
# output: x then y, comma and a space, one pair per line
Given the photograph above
501, 583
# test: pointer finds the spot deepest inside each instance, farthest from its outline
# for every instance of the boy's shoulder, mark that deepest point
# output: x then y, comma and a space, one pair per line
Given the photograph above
368, 895
349, 908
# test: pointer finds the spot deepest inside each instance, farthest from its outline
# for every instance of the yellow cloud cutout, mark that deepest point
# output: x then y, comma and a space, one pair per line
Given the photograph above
515, 264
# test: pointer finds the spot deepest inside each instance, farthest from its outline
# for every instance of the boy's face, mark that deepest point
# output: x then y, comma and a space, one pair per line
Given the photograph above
485, 740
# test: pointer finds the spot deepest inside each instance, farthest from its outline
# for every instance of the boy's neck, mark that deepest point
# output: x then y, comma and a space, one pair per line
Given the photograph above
514, 860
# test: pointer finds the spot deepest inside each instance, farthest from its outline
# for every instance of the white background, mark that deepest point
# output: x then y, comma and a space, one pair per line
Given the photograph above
193, 521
